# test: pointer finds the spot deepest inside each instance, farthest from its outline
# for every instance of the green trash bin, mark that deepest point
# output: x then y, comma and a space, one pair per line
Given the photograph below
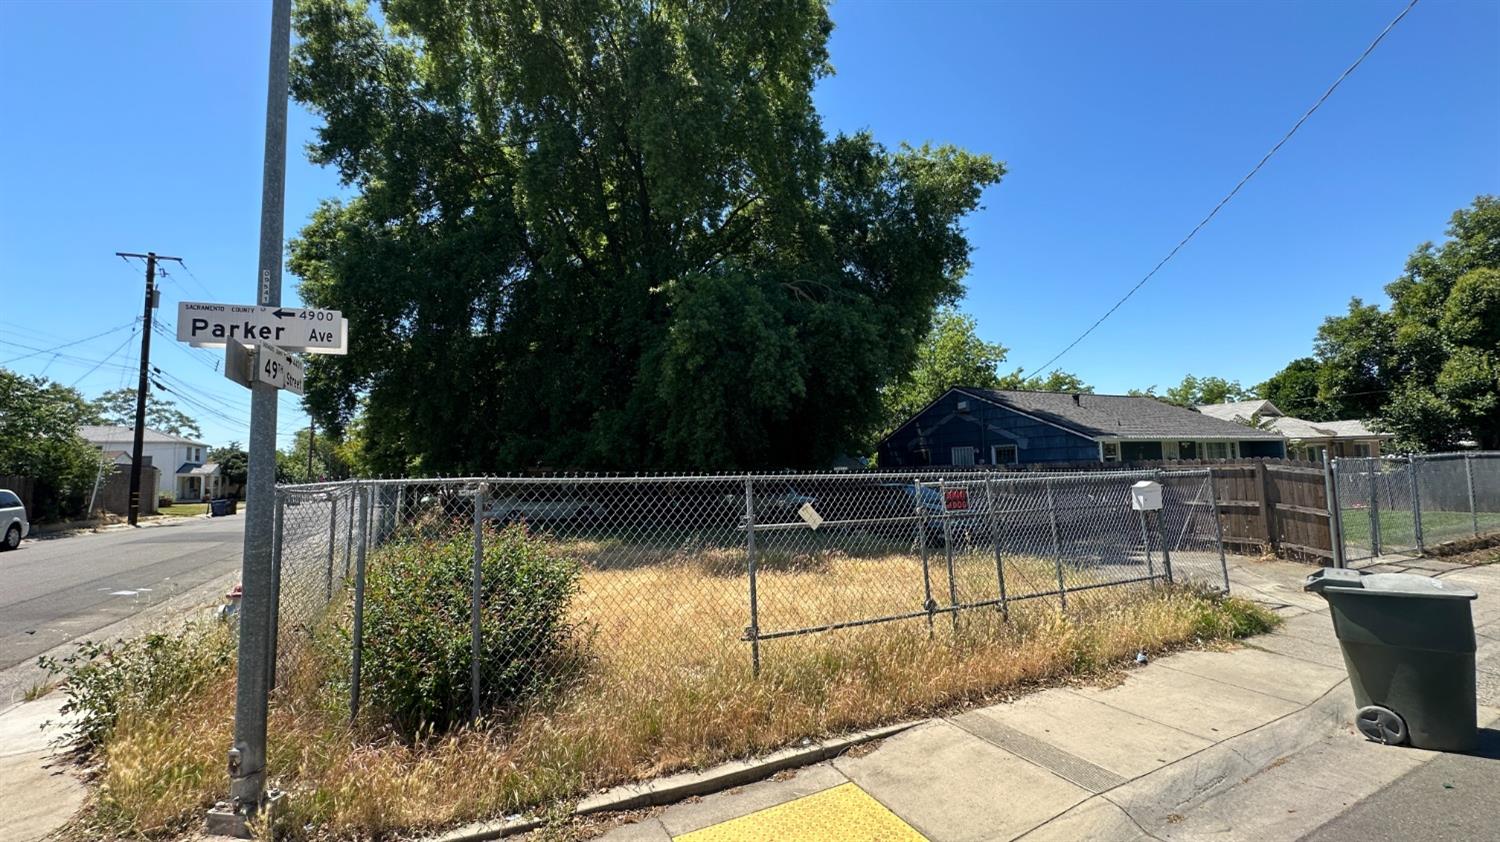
1408, 644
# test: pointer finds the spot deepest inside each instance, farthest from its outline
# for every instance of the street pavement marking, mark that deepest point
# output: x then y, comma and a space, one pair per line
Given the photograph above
844, 813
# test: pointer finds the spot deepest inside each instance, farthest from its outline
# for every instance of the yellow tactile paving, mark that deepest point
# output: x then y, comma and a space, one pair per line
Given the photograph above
844, 813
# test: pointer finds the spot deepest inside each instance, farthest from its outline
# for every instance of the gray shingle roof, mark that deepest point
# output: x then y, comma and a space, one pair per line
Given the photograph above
1293, 428
1240, 409
98, 433
1119, 416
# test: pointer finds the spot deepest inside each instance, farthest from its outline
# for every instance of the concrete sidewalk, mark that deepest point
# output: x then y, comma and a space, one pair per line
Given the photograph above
1253, 744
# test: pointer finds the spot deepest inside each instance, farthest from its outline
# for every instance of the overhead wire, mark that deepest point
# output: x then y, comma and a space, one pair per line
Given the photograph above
132, 323
111, 356
1224, 201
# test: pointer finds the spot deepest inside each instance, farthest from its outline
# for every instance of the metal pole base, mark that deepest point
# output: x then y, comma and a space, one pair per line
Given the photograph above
225, 820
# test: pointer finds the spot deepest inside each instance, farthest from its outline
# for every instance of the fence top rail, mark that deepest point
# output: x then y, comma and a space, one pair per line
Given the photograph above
1364, 462
906, 478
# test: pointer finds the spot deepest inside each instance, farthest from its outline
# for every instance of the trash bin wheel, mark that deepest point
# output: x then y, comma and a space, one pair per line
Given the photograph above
1382, 725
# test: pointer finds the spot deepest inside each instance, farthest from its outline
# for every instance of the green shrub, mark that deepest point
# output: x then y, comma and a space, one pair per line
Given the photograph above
417, 625
104, 680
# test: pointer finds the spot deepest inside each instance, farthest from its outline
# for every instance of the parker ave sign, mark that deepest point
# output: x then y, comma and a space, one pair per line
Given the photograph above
290, 328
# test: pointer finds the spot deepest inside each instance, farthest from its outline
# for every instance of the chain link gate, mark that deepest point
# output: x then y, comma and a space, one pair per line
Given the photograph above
1406, 504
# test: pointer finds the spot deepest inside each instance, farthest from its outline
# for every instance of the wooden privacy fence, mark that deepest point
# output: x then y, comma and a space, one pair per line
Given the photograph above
24, 487
1277, 507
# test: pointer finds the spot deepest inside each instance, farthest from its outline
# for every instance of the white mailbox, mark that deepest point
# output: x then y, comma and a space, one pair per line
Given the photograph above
1145, 496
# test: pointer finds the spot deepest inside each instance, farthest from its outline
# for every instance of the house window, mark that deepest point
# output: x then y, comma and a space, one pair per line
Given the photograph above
1005, 454
1169, 450
1360, 449
1111, 451
1220, 449
962, 456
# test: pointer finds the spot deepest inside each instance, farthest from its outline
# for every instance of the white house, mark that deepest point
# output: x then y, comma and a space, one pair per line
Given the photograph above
181, 458
1306, 439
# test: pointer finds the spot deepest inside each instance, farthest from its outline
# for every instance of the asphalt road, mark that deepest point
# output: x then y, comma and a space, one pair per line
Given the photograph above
1448, 799
61, 589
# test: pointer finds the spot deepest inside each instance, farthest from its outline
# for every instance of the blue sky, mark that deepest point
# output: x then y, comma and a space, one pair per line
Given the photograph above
137, 126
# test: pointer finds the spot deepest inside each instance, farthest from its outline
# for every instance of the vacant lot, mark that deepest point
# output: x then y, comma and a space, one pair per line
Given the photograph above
668, 685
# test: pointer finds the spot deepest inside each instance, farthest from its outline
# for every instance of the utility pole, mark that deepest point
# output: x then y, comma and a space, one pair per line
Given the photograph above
142, 388
257, 645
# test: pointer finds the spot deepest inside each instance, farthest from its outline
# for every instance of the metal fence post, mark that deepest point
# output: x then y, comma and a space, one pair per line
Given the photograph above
333, 539
989, 496
1062, 588
357, 664
1213, 505
1166, 552
1335, 512
475, 600
928, 604
1416, 501
349, 534
1146, 542
1469, 478
273, 638
1374, 507
753, 630
948, 549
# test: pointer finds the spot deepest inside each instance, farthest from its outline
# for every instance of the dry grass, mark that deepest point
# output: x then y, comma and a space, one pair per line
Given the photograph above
670, 687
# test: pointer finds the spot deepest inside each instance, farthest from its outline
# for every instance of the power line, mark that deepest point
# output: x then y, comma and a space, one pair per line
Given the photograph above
117, 329
102, 362
1224, 201
201, 285
73, 358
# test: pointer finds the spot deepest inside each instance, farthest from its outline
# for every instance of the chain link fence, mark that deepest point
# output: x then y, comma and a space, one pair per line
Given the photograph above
660, 573
1405, 504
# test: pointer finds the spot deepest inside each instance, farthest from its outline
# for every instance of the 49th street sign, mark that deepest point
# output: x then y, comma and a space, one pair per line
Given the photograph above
290, 328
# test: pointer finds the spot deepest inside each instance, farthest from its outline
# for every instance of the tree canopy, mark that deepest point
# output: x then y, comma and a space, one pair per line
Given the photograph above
39, 422
952, 354
162, 415
233, 461
611, 235
1198, 391
1294, 390
1427, 368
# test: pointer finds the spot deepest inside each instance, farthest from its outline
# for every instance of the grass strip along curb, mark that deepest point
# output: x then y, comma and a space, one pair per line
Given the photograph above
674, 788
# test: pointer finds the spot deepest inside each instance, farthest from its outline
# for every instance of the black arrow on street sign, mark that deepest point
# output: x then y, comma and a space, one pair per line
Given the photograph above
281, 314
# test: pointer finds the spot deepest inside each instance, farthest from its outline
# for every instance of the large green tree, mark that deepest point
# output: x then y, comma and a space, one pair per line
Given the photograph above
1445, 336
1294, 390
951, 354
162, 415
1357, 361
1427, 368
39, 422
594, 234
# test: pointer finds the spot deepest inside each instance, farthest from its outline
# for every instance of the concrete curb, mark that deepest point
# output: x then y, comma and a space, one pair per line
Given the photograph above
674, 788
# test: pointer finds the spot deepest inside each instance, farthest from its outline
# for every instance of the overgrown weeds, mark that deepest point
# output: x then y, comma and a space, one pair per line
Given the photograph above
667, 685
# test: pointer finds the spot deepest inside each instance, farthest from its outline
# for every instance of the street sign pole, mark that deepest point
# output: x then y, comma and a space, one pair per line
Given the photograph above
247, 757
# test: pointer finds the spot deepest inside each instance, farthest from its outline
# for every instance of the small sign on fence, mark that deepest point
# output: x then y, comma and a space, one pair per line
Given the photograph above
809, 514
956, 498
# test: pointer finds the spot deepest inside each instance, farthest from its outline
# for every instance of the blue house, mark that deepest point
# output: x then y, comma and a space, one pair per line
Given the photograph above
969, 426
